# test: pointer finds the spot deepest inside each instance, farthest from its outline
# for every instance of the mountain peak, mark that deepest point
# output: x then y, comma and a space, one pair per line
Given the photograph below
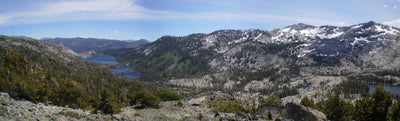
369, 24
301, 26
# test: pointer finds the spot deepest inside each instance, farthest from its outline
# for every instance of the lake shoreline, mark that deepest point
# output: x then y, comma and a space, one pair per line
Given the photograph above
122, 70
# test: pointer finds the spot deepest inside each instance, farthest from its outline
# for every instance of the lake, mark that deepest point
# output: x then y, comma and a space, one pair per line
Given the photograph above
127, 71
392, 89
124, 71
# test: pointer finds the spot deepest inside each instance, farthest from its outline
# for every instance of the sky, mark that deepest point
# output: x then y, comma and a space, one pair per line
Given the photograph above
152, 19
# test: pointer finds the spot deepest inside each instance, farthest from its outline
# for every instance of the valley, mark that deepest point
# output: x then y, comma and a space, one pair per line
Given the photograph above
299, 72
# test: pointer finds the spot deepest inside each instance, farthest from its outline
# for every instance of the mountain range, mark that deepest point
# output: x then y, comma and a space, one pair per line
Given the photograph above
342, 49
81, 45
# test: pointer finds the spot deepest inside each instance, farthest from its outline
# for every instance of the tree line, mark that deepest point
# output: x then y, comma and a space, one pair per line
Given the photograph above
374, 108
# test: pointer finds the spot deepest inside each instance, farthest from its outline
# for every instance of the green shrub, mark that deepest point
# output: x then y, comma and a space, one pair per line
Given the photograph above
180, 104
307, 102
145, 99
167, 95
273, 100
227, 107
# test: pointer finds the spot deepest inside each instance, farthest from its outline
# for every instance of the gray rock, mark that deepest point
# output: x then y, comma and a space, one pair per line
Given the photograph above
291, 111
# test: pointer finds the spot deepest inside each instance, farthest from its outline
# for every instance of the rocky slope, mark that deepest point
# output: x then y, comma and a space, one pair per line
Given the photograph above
11, 109
193, 109
41, 47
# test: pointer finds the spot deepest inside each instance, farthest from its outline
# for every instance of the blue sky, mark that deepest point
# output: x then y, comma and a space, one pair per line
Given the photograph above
151, 19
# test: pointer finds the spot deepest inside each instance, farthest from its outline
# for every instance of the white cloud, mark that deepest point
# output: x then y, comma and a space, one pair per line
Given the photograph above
385, 6
3, 20
116, 32
84, 6
83, 36
395, 6
127, 10
343, 23
395, 23
79, 11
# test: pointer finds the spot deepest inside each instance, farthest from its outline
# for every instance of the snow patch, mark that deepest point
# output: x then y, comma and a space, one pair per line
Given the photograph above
302, 54
335, 34
359, 39
309, 32
208, 41
356, 27
259, 35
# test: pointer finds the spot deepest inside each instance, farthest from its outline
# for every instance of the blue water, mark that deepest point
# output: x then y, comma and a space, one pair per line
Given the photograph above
376, 70
392, 89
124, 71
127, 71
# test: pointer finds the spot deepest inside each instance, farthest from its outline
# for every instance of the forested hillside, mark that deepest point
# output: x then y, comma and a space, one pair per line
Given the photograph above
42, 72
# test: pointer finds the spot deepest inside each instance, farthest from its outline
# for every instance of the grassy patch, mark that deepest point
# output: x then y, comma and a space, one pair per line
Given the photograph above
227, 107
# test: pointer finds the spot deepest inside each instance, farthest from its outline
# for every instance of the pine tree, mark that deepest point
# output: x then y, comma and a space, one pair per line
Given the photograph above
395, 113
307, 102
382, 101
335, 108
109, 104
363, 109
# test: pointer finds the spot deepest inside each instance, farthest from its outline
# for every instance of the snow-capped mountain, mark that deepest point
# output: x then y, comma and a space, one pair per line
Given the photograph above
318, 41
347, 49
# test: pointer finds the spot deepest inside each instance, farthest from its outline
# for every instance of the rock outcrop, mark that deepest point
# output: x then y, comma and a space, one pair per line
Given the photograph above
290, 111
16, 110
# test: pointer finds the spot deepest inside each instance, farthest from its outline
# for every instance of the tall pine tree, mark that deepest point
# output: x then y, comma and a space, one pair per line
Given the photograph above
382, 101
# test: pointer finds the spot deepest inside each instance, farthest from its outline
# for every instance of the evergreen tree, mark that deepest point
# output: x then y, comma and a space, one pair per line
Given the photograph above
335, 108
307, 102
109, 104
395, 113
364, 109
382, 101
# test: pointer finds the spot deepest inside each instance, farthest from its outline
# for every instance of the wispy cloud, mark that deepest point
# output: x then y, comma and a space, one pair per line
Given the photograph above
395, 6
115, 32
78, 11
395, 23
385, 6
128, 10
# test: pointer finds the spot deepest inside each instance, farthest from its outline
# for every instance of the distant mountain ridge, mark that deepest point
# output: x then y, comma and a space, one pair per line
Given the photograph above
81, 45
